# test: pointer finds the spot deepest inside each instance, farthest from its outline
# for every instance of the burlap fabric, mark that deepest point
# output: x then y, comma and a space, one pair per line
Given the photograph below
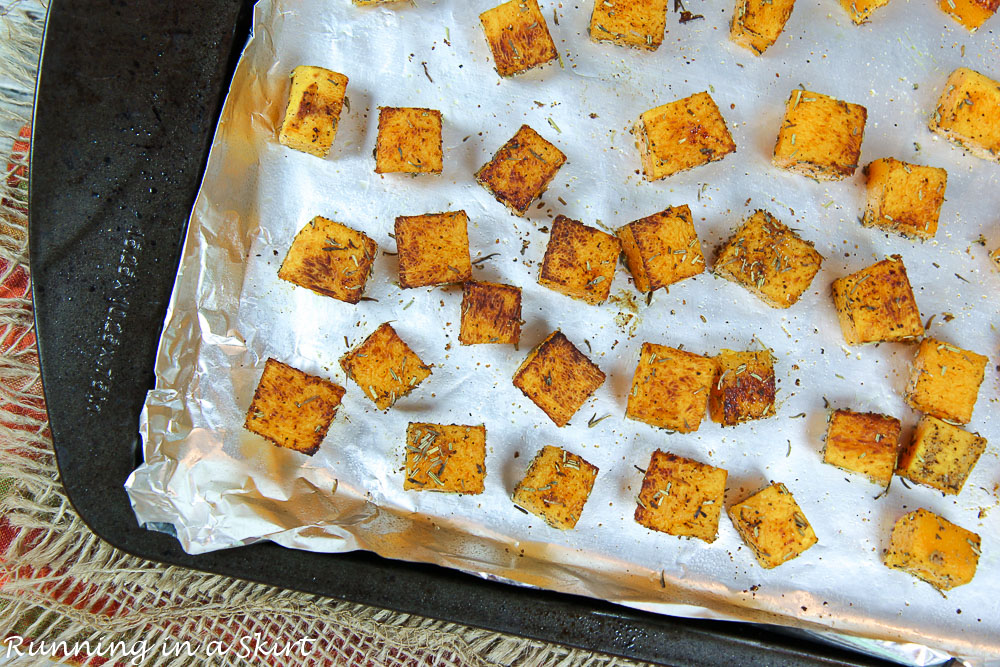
58, 581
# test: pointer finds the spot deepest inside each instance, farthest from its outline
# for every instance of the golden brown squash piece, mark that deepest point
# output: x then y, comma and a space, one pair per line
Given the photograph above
445, 458
330, 259
409, 141
904, 198
558, 378
682, 135
662, 249
556, 487
579, 261
861, 10
933, 549
757, 24
518, 36
945, 380
433, 249
876, 304
968, 113
313, 113
491, 313
940, 455
521, 170
681, 496
865, 443
772, 524
384, 367
820, 137
670, 388
970, 13
743, 388
636, 23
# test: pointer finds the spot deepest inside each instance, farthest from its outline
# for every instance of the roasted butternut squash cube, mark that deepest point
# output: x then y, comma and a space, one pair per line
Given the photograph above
876, 304
773, 526
384, 367
313, 112
820, 137
556, 487
933, 549
670, 388
558, 378
636, 23
330, 259
904, 198
757, 24
744, 387
409, 141
940, 455
579, 261
521, 170
682, 135
769, 259
445, 458
864, 443
945, 380
433, 249
968, 113
861, 10
291, 408
681, 497
518, 36
662, 249
491, 313
970, 13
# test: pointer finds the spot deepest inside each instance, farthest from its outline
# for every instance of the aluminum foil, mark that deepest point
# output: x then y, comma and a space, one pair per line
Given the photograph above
215, 485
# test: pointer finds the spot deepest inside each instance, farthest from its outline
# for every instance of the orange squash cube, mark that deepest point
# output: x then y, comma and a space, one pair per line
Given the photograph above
865, 443
446, 458
518, 36
820, 137
433, 249
744, 387
636, 23
384, 367
968, 113
861, 10
313, 112
876, 304
933, 549
579, 261
773, 526
945, 380
330, 259
681, 497
670, 388
970, 13
556, 487
904, 198
409, 141
662, 249
491, 313
757, 24
521, 170
940, 455
558, 378
682, 135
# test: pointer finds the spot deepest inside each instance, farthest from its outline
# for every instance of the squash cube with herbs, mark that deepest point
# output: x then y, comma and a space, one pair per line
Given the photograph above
558, 378
933, 549
636, 23
579, 261
313, 112
446, 458
384, 367
521, 170
682, 135
876, 304
945, 380
820, 137
409, 141
861, 10
491, 313
940, 455
662, 249
681, 496
773, 526
864, 443
556, 487
904, 198
291, 408
970, 13
744, 387
769, 259
757, 24
518, 37
330, 259
433, 249
968, 113
670, 388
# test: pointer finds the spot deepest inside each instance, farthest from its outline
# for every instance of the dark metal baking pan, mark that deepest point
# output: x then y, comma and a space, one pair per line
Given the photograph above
128, 98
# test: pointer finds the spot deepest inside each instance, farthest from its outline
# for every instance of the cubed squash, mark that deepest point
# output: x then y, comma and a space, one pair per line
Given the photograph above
409, 141
865, 443
313, 112
940, 455
384, 367
330, 259
662, 249
970, 13
556, 487
518, 36
904, 198
968, 113
491, 313
744, 387
876, 304
682, 135
945, 380
773, 526
933, 549
820, 137
447, 458
636, 23
579, 261
291, 408
558, 378
681, 497
521, 170
757, 24
670, 388
861, 10
433, 249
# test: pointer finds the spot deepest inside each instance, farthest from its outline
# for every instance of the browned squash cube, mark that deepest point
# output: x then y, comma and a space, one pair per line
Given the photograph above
933, 549
384, 367
940, 455
558, 378
864, 443
518, 36
945, 381
682, 135
820, 137
744, 387
521, 170
409, 141
682, 497
769, 259
861, 10
313, 112
556, 487
433, 249
968, 113
757, 24
773, 526
491, 313
446, 458
904, 198
670, 388
330, 259
662, 249
636, 23
579, 261
291, 408
876, 304
970, 13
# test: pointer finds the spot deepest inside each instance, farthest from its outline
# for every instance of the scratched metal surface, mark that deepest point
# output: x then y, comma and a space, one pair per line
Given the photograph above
215, 485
